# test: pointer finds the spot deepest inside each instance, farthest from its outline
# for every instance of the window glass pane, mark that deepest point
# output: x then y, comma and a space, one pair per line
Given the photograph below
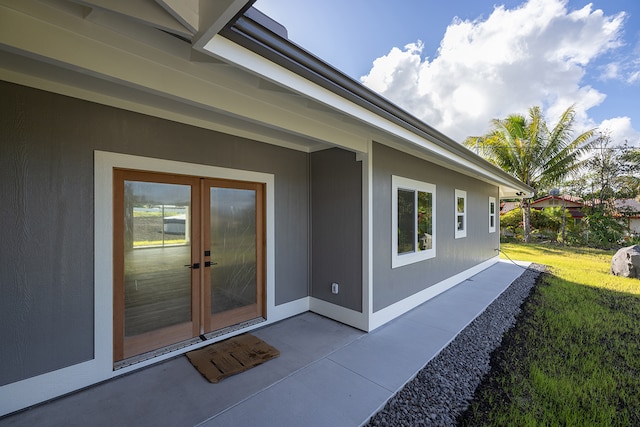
425, 220
413, 221
461, 204
492, 214
406, 221
460, 221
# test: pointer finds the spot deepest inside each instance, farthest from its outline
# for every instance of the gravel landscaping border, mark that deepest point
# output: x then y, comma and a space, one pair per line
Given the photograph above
442, 390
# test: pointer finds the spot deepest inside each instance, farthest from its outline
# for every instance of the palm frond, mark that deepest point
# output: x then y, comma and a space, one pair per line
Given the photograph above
529, 150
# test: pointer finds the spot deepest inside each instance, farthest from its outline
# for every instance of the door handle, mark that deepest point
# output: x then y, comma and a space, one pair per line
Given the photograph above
195, 265
209, 263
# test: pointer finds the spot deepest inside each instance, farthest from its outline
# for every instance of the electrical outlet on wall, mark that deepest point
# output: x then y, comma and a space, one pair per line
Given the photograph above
334, 288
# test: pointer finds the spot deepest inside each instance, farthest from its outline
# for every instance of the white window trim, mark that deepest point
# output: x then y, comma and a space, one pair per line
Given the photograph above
398, 182
492, 201
460, 233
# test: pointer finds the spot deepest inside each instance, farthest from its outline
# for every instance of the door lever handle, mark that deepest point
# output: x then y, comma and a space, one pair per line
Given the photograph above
209, 263
195, 265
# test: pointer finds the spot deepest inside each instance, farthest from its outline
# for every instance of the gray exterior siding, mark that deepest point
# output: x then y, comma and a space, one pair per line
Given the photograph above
47, 143
336, 208
452, 255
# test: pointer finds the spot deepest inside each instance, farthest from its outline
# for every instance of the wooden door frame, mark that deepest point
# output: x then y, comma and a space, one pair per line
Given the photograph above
235, 316
202, 321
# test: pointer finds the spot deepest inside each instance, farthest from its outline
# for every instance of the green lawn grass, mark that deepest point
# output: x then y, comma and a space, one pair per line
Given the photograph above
573, 358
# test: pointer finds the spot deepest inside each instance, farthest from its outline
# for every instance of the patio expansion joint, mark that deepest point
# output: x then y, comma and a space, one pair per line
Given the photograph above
395, 391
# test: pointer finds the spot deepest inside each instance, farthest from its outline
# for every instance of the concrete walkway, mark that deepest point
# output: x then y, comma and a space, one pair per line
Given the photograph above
328, 374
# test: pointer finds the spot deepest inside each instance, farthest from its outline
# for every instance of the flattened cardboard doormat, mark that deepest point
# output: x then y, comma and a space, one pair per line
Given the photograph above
229, 357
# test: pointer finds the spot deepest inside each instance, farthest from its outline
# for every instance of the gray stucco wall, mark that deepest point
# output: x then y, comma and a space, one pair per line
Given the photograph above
336, 210
47, 143
452, 255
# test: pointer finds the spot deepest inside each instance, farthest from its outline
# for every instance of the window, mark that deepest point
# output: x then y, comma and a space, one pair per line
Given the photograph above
461, 214
413, 221
492, 214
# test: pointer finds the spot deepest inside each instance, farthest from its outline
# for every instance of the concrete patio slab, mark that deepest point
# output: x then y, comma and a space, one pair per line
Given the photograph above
328, 373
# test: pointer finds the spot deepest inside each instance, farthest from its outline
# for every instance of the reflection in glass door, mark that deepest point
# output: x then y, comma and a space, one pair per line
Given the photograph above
188, 258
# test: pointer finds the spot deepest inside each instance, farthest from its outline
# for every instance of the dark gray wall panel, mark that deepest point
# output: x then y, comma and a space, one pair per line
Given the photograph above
46, 187
46, 250
452, 255
336, 212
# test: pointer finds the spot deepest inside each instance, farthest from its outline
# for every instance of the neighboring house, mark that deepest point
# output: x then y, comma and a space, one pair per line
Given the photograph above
629, 210
174, 175
571, 204
508, 207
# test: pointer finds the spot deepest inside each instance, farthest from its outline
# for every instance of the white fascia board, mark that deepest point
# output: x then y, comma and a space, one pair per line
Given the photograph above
229, 51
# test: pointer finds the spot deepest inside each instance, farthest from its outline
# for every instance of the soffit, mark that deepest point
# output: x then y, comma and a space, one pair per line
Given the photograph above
98, 55
185, 18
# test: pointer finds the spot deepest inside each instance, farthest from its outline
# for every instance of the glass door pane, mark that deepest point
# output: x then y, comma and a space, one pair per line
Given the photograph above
157, 285
234, 277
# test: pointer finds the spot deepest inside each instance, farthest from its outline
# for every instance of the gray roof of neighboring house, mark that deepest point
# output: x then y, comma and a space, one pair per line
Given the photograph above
627, 205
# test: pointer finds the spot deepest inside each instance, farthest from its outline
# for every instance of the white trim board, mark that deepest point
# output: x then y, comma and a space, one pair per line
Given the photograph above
460, 194
370, 321
402, 183
339, 314
391, 312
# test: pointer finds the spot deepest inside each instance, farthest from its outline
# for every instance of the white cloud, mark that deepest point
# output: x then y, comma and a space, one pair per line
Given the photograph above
535, 54
611, 71
621, 131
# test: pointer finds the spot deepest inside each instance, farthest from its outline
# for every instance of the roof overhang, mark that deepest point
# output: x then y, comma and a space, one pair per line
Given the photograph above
248, 81
288, 65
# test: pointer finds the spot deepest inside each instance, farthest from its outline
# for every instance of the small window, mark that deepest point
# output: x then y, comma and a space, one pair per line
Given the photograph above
492, 214
461, 214
413, 221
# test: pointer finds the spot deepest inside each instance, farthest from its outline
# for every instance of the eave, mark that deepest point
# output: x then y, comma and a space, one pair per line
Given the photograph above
425, 142
166, 59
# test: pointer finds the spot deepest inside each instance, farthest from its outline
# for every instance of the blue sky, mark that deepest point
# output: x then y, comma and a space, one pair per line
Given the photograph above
457, 64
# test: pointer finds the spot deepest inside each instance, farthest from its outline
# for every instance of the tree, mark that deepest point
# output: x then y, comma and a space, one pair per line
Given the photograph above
613, 173
605, 169
534, 153
631, 171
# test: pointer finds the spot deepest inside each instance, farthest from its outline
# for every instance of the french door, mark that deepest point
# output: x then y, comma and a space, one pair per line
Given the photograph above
188, 257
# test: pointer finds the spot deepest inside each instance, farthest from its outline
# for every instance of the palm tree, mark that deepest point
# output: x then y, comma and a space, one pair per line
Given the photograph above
532, 152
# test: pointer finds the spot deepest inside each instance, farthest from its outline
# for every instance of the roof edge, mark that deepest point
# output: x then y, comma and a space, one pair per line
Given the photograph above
251, 34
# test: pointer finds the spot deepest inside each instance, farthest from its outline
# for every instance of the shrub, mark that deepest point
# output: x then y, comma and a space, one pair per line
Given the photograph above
575, 234
603, 231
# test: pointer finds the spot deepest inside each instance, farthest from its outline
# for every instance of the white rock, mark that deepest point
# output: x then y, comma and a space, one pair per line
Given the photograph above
626, 262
